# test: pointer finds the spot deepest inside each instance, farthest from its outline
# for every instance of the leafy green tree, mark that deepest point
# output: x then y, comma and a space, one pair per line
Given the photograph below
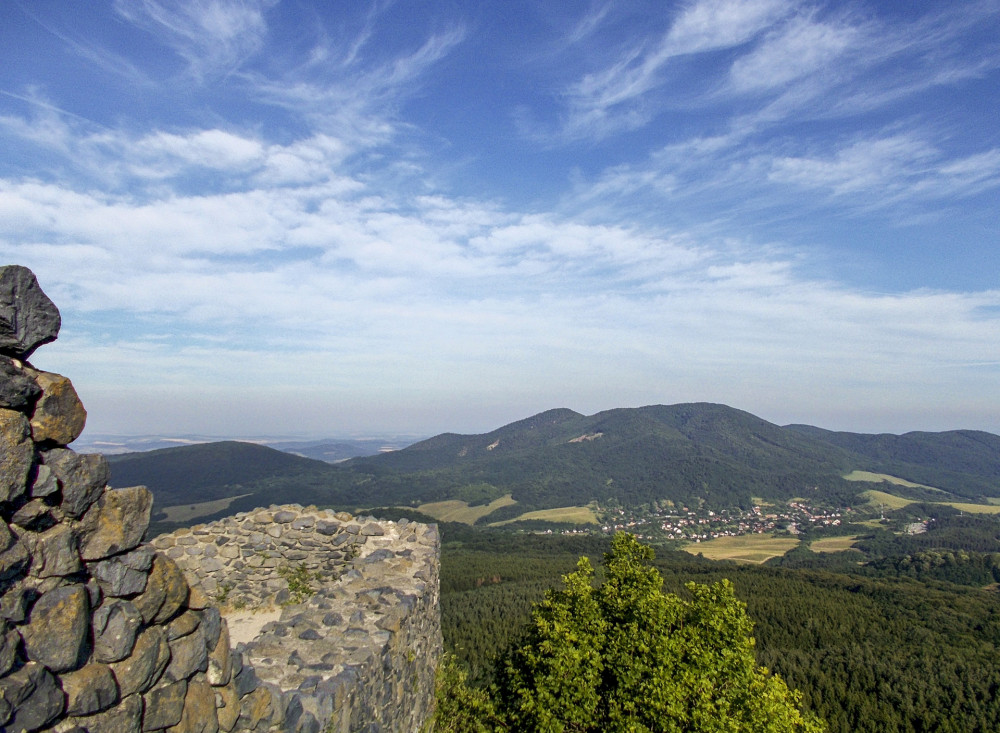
625, 656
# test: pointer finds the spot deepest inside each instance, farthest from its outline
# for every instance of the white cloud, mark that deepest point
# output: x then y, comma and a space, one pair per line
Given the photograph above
212, 36
707, 25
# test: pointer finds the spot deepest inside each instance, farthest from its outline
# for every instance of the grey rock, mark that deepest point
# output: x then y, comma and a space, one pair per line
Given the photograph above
10, 642
89, 690
14, 602
126, 717
188, 655
34, 697
33, 514
28, 318
164, 705
44, 483
116, 576
18, 390
17, 453
183, 625
115, 523
166, 591
199, 714
82, 477
115, 624
138, 672
211, 625
59, 416
54, 553
57, 628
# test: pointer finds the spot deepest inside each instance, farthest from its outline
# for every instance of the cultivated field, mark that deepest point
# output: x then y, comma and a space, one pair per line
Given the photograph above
875, 497
571, 514
833, 544
187, 512
748, 548
454, 510
877, 478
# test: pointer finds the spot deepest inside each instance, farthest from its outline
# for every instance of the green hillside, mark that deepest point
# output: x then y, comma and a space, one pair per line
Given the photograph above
688, 454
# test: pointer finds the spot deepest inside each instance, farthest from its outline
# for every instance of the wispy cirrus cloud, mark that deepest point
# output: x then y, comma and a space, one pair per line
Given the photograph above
212, 36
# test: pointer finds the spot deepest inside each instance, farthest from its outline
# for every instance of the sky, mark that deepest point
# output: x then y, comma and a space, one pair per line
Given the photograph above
325, 218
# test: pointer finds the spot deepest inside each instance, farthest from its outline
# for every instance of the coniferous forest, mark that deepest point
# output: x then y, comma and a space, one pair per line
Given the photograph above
872, 650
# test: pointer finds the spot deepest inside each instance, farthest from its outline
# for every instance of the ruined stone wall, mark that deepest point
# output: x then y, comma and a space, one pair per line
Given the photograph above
100, 633
359, 634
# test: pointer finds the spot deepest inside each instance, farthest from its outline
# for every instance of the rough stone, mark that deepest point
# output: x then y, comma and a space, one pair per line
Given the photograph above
227, 707
18, 391
10, 640
150, 656
17, 453
59, 416
123, 575
164, 705
89, 690
126, 717
220, 667
44, 483
188, 655
56, 632
116, 624
115, 523
28, 318
199, 714
14, 557
82, 477
54, 553
166, 591
33, 696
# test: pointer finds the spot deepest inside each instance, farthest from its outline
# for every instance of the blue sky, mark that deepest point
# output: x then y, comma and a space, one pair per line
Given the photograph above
322, 218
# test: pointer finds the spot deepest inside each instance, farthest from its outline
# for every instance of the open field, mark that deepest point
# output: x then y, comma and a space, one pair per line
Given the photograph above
454, 510
877, 478
875, 497
748, 548
833, 544
187, 512
572, 514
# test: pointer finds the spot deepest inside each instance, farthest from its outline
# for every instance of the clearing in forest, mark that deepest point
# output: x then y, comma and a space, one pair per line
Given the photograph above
569, 514
455, 510
833, 544
747, 548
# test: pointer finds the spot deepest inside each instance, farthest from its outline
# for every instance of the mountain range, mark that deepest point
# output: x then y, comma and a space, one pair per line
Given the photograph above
686, 453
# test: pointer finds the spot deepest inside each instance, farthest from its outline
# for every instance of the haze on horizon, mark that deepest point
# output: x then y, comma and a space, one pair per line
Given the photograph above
309, 218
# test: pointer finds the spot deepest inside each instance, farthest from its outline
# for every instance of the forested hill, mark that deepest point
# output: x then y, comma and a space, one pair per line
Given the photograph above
683, 453
679, 452
965, 462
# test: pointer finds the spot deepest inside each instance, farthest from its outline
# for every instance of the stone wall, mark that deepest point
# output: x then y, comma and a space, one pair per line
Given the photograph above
359, 635
100, 633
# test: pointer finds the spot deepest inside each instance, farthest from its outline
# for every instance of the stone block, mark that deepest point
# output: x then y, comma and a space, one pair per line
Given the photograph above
115, 626
89, 690
28, 318
141, 670
115, 523
55, 553
82, 477
164, 705
18, 390
33, 699
198, 715
126, 717
57, 629
17, 453
59, 416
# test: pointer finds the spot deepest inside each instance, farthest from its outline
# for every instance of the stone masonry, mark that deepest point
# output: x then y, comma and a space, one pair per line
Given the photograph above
100, 633
359, 635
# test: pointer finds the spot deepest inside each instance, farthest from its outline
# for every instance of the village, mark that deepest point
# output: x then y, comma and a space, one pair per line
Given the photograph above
703, 524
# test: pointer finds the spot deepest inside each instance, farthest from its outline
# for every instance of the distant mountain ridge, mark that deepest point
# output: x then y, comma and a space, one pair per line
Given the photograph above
693, 452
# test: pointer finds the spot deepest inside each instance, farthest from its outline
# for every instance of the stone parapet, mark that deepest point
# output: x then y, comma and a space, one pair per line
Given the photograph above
358, 637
